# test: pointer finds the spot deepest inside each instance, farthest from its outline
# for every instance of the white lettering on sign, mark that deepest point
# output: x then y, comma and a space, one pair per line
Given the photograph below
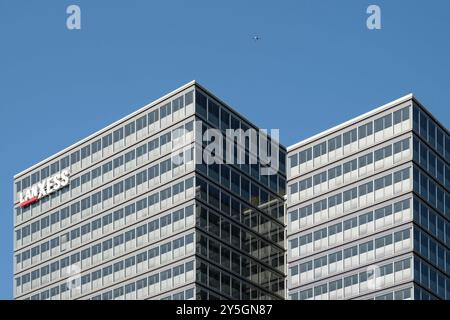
44, 188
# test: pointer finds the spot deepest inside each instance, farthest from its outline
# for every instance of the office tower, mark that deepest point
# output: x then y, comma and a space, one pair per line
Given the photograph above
129, 212
368, 208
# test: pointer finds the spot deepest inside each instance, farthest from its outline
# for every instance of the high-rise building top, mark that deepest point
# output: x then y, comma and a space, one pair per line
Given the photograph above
368, 206
130, 212
139, 211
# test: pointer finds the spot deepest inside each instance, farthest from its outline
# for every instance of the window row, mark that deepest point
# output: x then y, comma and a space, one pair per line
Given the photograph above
364, 135
223, 228
118, 135
351, 170
108, 223
365, 194
357, 225
432, 192
349, 258
114, 168
431, 163
259, 250
235, 207
102, 199
402, 294
220, 117
359, 283
432, 279
230, 179
431, 221
221, 281
143, 288
182, 295
426, 128
99, 253
330, 236
431, 250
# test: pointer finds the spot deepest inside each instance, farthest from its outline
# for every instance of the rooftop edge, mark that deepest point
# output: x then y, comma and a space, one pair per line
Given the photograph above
338, 127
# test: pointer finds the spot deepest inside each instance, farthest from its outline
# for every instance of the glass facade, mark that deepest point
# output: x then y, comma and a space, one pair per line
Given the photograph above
240, 218
140, 220
368, 209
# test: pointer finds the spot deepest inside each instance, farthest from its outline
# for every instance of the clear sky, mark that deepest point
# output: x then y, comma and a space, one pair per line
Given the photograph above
316, 65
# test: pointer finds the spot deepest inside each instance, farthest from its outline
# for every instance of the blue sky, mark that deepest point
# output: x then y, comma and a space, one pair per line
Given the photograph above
315, 66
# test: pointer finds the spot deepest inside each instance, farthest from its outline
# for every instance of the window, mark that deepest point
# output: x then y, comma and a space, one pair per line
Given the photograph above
320, 178
366, 188
153, 145
141, 123
178, 104
383, 123
335, 257
153, 172
319, 206
165, 110
130, 156
335, 200
96, 198
166, 193
165, 138
166, 166
130, 183
350, 252
401, 115
366, 247
383, 212
118, 162
383, 182
320, 234
293, 160
320, 149
350, 223
349, 137
383, 241
74, 158
96, 173
64, 163
401, 146
305, 155
335, 172
107, 140
141, 177
96, 146
130, 209
85, 152
401, 175
334, 143
213, 112
107, 167
200, 106
365, 130
305, 184
383, 153
224, 119
423, 125
350, 166
350, 194
118, 135
118, 188
332, 230
130, 128
365, 160
153, 116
